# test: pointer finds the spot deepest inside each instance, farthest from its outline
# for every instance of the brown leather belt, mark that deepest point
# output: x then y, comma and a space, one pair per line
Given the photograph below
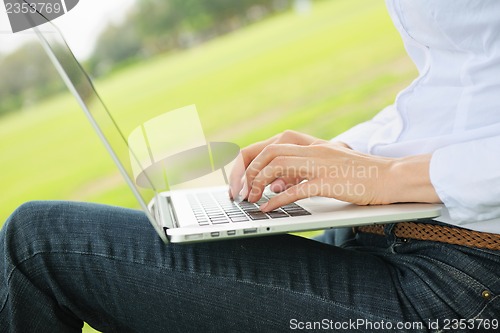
438, 233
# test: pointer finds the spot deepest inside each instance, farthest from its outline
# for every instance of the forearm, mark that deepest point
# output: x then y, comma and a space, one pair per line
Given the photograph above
331, 169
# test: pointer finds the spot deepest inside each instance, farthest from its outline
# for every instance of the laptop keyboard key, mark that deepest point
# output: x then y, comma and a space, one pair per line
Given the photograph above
276, 214
217, 208
239, 219
258, 216
220, 221
302, 212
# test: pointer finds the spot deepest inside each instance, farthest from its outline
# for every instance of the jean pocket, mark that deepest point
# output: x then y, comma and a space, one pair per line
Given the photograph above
488, 319
468, 285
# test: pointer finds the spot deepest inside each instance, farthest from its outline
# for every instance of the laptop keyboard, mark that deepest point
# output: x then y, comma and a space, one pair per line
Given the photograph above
217, 208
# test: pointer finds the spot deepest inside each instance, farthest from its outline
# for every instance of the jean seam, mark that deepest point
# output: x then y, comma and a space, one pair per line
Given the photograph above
323, 300
318, 298
486, 306
225, 278
478, 314
460, 275
4, 303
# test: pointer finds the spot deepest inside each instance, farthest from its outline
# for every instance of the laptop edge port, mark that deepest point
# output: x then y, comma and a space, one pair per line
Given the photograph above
250, 231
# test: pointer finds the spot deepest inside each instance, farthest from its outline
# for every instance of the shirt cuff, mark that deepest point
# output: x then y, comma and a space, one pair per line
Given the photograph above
466, 177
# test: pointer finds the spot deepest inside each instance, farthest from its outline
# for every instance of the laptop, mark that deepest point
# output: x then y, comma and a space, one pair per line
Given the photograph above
207, 213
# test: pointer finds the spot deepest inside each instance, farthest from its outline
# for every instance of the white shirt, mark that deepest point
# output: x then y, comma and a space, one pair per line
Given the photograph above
451, 110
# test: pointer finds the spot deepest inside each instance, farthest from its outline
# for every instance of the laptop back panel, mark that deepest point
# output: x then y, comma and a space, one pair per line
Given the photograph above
82, 88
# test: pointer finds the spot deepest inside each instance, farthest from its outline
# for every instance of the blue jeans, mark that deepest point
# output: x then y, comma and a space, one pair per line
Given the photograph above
64, 263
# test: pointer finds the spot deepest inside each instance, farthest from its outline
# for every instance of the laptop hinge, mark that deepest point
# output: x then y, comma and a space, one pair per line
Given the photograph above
166, 212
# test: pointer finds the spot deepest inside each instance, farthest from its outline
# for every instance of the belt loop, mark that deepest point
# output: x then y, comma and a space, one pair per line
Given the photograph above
388, 231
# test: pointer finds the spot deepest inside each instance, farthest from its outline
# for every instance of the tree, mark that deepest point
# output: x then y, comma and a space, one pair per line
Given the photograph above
26, 78
155, 26
118, 43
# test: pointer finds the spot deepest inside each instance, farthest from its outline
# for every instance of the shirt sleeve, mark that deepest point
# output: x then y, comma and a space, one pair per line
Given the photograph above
359, 136
466, 177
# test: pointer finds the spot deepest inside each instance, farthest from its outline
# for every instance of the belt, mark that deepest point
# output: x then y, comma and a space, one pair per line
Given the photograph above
438, 233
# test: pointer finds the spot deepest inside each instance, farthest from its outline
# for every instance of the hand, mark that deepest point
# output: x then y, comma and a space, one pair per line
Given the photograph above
248, 154
326, 170
300, 166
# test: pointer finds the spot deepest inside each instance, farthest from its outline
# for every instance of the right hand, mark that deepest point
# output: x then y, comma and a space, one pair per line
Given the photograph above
238, 185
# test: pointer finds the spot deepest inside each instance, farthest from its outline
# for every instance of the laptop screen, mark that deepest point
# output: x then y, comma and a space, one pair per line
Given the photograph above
155, 150
81, 86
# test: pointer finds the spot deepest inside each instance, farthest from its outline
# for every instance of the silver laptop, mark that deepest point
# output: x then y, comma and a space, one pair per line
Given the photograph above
207, 213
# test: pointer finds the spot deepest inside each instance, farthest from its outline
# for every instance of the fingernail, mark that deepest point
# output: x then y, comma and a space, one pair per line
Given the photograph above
244, 191
264, 206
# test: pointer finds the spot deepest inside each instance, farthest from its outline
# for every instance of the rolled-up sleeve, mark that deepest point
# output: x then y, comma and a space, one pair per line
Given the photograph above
358, 137
466, 177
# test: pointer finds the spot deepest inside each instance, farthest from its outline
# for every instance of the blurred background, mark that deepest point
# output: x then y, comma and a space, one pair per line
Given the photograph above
252, 67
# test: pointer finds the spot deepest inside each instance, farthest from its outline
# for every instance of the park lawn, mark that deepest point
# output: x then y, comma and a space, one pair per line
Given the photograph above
321, 73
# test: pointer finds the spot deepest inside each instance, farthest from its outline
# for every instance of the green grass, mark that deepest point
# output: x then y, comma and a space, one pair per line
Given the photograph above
321, 73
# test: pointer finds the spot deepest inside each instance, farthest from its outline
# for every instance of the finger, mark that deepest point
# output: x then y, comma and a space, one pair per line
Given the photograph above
248, 154
279, 167
300, 191
242, 161
283, 183
244, 191
271, 153
235, 177
279, 185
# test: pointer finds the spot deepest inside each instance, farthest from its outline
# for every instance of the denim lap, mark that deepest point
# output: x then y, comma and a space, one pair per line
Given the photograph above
65, 263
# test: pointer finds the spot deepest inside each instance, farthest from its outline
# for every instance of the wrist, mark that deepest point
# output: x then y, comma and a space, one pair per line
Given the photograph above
408, 180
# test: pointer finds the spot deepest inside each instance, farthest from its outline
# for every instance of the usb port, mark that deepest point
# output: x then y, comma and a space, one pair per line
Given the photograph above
250, 231
215, 234
231, 232
194, 236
